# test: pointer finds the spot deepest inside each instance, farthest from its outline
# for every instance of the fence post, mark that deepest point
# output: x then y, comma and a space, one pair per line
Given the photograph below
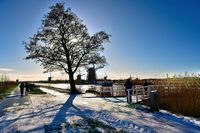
148, 90
143, 93
129, 95
112, 91
136, 93
154, 101
101, 92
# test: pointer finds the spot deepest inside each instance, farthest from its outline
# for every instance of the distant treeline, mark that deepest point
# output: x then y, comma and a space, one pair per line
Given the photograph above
121, 81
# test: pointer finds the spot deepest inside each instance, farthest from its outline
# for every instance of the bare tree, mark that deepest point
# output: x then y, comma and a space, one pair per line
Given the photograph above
63, 43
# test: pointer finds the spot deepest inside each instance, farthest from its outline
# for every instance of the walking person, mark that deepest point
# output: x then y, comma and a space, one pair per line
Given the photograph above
145, 85
22, 89
128, 86
26, 88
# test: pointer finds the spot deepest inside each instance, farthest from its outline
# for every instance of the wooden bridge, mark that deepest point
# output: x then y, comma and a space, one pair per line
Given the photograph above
139, 92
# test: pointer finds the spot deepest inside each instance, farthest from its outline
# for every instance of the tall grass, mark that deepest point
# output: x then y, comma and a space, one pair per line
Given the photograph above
182, 96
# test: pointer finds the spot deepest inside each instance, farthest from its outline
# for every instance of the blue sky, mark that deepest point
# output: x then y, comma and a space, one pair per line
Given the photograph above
149, 38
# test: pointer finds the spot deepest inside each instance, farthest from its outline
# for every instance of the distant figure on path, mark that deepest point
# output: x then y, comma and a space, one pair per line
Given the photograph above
145, 85
22, 88
128, 86
105, 78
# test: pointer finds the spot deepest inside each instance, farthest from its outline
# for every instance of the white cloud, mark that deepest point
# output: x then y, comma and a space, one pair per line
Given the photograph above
6, 70
36, 76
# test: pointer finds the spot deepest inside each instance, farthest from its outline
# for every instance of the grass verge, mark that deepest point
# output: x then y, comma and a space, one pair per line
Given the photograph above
83, 125
6, 88
36, 90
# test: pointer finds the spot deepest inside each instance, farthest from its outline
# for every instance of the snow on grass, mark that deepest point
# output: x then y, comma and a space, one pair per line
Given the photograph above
58, 112
61, 86
52, 92
82, 88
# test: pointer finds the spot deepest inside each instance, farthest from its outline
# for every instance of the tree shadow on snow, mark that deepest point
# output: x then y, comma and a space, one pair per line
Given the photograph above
8, 123
102, 118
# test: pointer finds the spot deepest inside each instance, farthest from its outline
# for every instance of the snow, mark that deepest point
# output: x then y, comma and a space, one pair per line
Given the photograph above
82, 88
58, 112
52, 92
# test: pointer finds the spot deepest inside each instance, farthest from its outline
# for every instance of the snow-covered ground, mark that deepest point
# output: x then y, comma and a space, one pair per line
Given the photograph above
117, 89
82, 88
58, 112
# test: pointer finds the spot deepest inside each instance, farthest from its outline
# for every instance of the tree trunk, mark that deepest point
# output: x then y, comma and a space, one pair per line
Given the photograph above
72, 83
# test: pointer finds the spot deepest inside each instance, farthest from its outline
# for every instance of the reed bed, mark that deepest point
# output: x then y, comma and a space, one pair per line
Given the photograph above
182, 96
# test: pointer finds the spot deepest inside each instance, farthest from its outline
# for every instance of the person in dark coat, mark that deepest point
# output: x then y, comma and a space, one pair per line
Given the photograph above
145, 85
27, 87
22, 88
128, 86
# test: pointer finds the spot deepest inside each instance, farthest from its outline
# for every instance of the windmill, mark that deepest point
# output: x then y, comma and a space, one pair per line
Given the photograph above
79, 76
49, 78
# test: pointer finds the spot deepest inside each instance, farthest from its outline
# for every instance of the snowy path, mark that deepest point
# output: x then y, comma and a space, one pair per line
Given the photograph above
63, 113
13, 100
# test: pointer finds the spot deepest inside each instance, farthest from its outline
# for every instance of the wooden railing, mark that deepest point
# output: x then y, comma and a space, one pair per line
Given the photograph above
140, 93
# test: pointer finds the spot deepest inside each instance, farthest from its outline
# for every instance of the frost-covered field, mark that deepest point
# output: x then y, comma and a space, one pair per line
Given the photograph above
117, 89
82, 88
58, 112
